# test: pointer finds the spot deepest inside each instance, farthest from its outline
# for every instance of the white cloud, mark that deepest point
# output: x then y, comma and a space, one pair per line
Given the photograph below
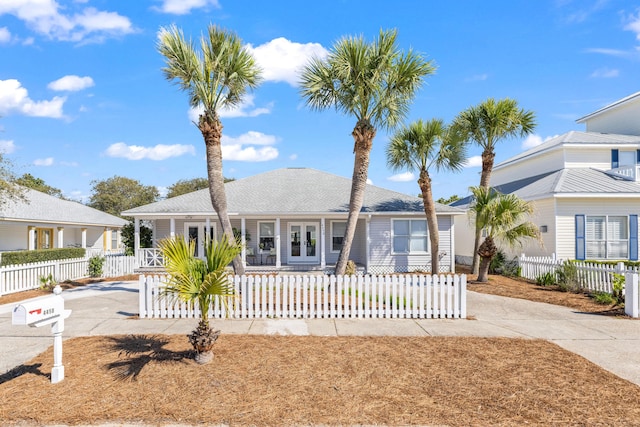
242, 148
5, 35
7, 146
15, 99
402, 177
71, 83
87, 24
533, 141
293, 157
282, 59
633, 24
473, 162
243, 110
43, 162
605, 73
182, 7
158, 152
369, 181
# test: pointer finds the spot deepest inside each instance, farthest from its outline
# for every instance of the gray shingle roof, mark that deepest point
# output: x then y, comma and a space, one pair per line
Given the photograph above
574, 137
579, 181
44, 208
290, 191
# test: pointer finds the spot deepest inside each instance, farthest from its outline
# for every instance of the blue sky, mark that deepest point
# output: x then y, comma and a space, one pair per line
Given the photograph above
82, 96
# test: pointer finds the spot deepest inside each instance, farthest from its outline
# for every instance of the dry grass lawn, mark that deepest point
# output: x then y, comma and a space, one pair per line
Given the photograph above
274, 380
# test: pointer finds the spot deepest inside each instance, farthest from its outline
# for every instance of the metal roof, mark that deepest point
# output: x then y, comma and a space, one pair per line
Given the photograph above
289, 191
41, 207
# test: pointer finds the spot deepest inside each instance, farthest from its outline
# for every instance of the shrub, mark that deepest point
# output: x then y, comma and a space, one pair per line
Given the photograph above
95, 266
350, 269
618, 288
568, 279
48, 282
546, 279
40, 255
604, 298
501, 265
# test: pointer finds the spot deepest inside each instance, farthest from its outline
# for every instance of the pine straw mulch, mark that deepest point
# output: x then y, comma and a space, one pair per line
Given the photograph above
287, 380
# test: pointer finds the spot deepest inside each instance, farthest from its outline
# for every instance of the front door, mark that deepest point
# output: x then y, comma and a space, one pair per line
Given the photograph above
303, 242
197, 231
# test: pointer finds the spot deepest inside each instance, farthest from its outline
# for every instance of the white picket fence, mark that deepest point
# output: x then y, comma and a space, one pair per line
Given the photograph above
592, 276
319, 296
24, 277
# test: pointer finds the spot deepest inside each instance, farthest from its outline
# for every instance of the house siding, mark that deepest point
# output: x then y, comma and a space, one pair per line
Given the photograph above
567, 209
382, 258
623, 119
542, 163
543, 215
580, 157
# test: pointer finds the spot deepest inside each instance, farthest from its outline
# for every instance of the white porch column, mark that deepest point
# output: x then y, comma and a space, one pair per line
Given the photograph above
84, 238
136, 236
368, 246
452, 238
172, 227
32, 238
60, 243
323, 245
207, 227
243, 225
278, 262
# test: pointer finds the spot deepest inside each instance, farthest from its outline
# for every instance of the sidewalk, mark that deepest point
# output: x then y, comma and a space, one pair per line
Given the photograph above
106, 308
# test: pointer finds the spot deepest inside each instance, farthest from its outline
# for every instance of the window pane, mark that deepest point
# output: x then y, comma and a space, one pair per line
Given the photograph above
418, 244
401, 228
400, 244
617, 228
267, 229
618, 250
337, 234
596, 249
595, 228
419, 228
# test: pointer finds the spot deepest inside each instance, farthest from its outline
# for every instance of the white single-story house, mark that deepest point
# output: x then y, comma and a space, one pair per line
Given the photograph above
295, 219
584, 187
41, 221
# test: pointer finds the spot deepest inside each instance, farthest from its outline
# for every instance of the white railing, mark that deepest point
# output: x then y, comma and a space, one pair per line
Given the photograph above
287, 296
23, 277
118, 265
629, 172
149, 258
592, 276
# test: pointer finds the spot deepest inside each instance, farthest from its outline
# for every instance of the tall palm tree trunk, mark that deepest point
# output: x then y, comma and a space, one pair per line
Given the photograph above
485, 178
363, 135
432, 220
487, 251
212, 132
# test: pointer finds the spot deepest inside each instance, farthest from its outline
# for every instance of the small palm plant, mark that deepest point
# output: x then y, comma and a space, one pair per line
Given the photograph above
193, 279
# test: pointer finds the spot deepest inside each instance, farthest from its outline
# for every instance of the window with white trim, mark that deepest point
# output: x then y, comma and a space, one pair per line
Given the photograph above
338, 228
266, 235
410, 236
607, 237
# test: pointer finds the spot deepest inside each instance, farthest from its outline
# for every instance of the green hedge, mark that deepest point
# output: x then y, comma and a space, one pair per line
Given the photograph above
27, 257
626, 262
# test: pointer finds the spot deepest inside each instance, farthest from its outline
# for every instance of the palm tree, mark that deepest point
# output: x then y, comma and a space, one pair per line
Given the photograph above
502, 218
195, 280
486, 124
421, 146
375, 82
216, 77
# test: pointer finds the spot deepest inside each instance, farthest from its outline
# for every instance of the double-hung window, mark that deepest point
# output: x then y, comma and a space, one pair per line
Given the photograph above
338, 228
410, 236
266, 235
607, 237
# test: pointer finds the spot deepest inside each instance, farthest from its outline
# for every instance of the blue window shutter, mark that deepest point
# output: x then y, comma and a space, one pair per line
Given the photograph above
638, 157
580, 237
633, 237
614, 158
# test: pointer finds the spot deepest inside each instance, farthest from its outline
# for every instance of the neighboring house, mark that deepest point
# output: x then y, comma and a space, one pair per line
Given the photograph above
43, 222
585, 188
296, 218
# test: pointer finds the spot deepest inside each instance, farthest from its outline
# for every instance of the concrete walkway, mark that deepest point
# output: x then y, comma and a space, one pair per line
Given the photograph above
107, 308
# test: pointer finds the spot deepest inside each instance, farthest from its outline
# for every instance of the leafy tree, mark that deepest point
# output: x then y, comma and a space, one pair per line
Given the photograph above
486, 124
192, 279
38, 184
502, 217
448, 200
374, 82
217, 76
117, 194
128, 236
185, 186
8, 188
422, 146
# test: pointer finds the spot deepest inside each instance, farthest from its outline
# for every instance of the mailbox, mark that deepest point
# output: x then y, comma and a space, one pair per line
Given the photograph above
39, 312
